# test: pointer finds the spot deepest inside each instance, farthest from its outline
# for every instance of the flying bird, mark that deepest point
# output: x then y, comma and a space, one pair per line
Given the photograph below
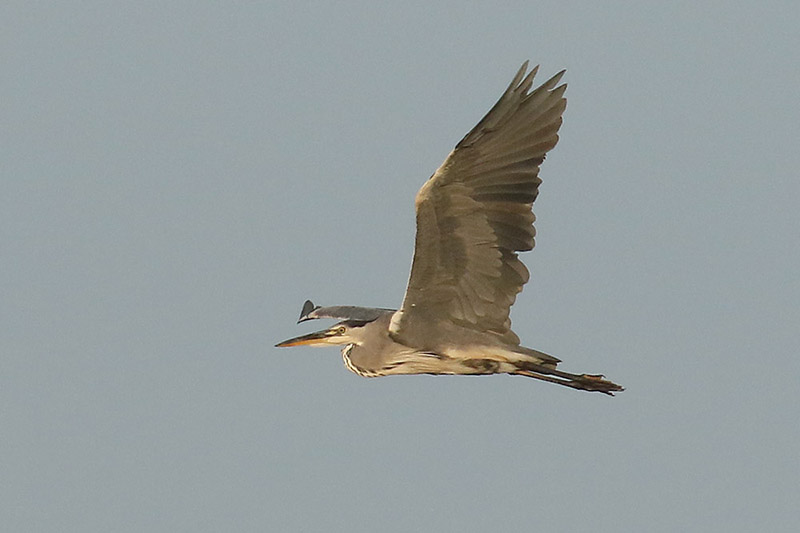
473, 217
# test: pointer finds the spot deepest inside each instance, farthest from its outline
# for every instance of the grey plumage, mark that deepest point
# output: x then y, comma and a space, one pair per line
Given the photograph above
346, 312
473, 218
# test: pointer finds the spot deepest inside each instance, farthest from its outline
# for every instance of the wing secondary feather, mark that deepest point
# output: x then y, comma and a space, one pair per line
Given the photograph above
474, 215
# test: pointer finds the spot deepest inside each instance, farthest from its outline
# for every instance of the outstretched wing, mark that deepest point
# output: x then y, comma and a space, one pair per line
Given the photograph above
474, 215
341, 312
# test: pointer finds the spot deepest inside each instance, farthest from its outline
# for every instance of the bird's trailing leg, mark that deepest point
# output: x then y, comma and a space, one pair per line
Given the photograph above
587, 382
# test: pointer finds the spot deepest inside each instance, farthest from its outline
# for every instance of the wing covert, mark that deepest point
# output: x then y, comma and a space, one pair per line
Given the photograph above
474, 214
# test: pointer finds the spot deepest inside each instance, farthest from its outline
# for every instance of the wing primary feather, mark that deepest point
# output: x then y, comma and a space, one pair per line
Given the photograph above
474, 214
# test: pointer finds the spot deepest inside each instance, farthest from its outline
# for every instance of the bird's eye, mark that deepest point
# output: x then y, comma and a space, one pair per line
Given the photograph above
340, 330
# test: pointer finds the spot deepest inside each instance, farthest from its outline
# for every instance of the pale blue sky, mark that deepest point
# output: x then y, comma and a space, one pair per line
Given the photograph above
176, 181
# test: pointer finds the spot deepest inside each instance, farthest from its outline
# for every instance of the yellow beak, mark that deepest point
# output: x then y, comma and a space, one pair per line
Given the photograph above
312, 339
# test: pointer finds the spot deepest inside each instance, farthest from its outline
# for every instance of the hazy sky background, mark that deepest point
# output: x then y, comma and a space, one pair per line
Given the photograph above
177, 178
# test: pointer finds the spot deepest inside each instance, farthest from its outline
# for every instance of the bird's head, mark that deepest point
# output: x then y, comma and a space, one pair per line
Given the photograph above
346, 332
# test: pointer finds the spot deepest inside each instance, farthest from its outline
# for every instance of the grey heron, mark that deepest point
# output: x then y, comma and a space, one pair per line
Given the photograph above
473, 217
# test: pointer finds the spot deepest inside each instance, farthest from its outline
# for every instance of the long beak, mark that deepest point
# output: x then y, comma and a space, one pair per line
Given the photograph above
312, 339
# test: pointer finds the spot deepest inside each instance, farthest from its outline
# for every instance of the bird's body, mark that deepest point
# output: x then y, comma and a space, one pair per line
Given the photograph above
380, 355
473, 217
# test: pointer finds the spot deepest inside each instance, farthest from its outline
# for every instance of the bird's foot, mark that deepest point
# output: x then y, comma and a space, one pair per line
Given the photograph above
597, 382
